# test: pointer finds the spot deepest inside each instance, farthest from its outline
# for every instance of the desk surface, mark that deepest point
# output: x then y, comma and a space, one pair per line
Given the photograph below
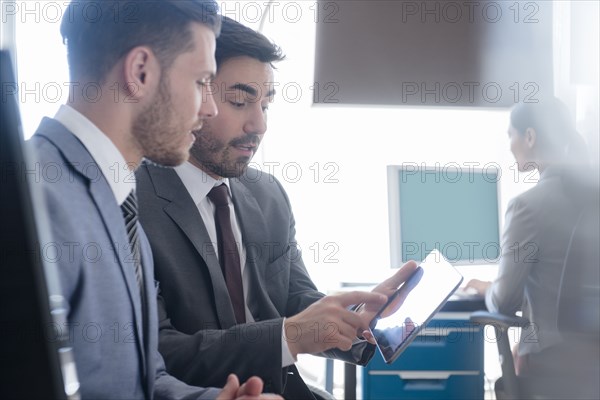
464, 305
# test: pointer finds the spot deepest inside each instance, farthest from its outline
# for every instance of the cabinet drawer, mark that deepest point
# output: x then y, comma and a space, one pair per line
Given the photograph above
457, 346
412, 384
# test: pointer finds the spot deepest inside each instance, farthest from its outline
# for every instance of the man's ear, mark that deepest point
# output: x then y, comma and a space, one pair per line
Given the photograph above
141, 72
530, 137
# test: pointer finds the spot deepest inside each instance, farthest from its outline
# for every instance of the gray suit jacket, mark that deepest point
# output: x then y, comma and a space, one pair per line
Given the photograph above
116, 356
537, 229
199, 338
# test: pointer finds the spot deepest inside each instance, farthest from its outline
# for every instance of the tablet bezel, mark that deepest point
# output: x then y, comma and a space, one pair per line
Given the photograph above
434, 257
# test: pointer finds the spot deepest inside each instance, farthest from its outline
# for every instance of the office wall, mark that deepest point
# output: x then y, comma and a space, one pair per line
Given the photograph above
435, 53
342, 210
331, 159
33, 29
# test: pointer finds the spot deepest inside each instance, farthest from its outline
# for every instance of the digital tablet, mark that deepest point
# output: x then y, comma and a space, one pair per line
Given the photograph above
411, 307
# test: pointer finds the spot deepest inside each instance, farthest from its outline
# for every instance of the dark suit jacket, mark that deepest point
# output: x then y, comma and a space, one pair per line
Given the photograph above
199, 338
86, 241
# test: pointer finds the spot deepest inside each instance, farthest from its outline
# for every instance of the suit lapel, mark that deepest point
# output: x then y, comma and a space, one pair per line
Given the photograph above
152, 313
80, 159
184, 213
253, 225
113, 221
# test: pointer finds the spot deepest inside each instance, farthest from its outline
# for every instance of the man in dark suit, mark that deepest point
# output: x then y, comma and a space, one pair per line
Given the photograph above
140, 73
256, 317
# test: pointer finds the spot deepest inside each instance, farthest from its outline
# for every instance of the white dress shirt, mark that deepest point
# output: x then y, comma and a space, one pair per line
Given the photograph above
108, 160
198, 183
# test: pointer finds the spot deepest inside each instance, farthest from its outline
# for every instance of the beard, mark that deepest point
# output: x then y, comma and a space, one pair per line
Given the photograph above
158, 133
214, 155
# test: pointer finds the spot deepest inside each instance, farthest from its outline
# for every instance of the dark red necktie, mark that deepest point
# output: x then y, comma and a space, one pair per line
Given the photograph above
229, 257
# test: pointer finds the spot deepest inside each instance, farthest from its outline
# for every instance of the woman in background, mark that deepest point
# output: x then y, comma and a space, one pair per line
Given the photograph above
537, 230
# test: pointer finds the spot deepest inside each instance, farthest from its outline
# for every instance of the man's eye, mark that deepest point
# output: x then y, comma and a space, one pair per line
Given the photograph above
237, 104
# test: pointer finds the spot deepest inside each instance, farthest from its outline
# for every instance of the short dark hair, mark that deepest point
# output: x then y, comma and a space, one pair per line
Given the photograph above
98, 33
237, 40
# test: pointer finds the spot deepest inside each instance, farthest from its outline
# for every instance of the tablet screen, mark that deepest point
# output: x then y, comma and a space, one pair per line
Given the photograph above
414, 304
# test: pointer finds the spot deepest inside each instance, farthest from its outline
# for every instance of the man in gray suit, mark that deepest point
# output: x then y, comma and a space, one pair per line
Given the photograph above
140, 75
254, 318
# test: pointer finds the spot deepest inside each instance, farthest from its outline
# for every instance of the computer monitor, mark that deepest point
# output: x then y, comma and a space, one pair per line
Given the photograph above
452, 208
37, 361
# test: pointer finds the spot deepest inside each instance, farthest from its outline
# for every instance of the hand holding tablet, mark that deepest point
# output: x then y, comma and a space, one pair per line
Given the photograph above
411, 306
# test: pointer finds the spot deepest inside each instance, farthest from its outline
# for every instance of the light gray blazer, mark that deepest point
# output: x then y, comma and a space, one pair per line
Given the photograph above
115, 357
538, 226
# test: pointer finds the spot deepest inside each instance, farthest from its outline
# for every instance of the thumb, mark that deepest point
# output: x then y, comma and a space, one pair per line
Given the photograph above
230, 389
368, 336
401, 275
252, 387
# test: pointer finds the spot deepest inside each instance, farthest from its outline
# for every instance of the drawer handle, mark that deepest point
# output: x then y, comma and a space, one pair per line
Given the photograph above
446, 331
428, 375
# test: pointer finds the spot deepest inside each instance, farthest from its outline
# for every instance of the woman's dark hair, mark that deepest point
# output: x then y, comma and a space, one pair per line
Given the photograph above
556, 132
554, 127
98, 33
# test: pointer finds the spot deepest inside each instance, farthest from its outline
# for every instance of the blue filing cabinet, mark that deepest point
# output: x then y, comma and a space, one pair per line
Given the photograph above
445, 361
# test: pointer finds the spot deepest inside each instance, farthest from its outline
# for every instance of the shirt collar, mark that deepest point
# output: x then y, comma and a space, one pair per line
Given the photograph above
197, 182
106, 155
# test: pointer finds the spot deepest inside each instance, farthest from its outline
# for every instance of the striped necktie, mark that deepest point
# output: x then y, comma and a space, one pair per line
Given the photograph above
130, 214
